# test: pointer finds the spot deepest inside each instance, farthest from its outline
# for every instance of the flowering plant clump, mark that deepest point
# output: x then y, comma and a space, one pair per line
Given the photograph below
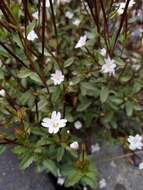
70, 72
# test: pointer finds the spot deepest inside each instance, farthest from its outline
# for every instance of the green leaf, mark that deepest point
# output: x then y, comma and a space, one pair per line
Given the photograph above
56, 94
18, 150
73, 179
35, 77
137, 87
24, 73
88, 118
84, 105
3, 52
72, 152
114, 124
125, 78
51, 166
26, 161
88, 86
104, 94
31, 26
42, 104
25, 97
15, 10
1, 74
44, 141
2, 149
89, 181
60, 153
17, 40
38, 131
129, 108
69, 62
116, 100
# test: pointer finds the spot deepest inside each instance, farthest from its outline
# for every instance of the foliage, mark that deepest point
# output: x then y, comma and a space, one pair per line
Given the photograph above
87, 94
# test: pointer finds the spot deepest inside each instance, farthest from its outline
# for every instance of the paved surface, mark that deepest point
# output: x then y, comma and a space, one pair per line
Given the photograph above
11, 178
119, 174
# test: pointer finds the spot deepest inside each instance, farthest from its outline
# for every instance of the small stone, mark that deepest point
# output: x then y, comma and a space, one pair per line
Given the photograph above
95, 148
102, 183
141, 166
3, 173
60, 180
113, 164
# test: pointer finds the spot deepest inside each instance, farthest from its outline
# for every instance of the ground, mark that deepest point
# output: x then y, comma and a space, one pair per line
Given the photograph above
11, 178
119, 174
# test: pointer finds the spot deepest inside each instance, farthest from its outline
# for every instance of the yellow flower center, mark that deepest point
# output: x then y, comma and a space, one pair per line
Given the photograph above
56, 125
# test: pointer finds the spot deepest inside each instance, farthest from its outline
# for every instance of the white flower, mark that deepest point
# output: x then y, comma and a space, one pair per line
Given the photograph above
64, 1
48, 3
54, 123
76, 22
60, 180
32, 36
121, 6
74, 145
135, 142
57, 77
78, 125
95, 148
35, 15
131, 3
69, 15
81, 42
141, 166
85, 8
84, 188
109, 66
2, 92
103, 52
102, 183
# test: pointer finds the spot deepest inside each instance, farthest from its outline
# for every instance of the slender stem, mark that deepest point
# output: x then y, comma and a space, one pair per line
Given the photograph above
8, 141
121, 25
111, 3
25, 3
123, 70
106, 31
13, 55
83, 3
97, 19
37, 110
6, 12
12, 102
53, 18
17, 79
43, 25
121, 156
